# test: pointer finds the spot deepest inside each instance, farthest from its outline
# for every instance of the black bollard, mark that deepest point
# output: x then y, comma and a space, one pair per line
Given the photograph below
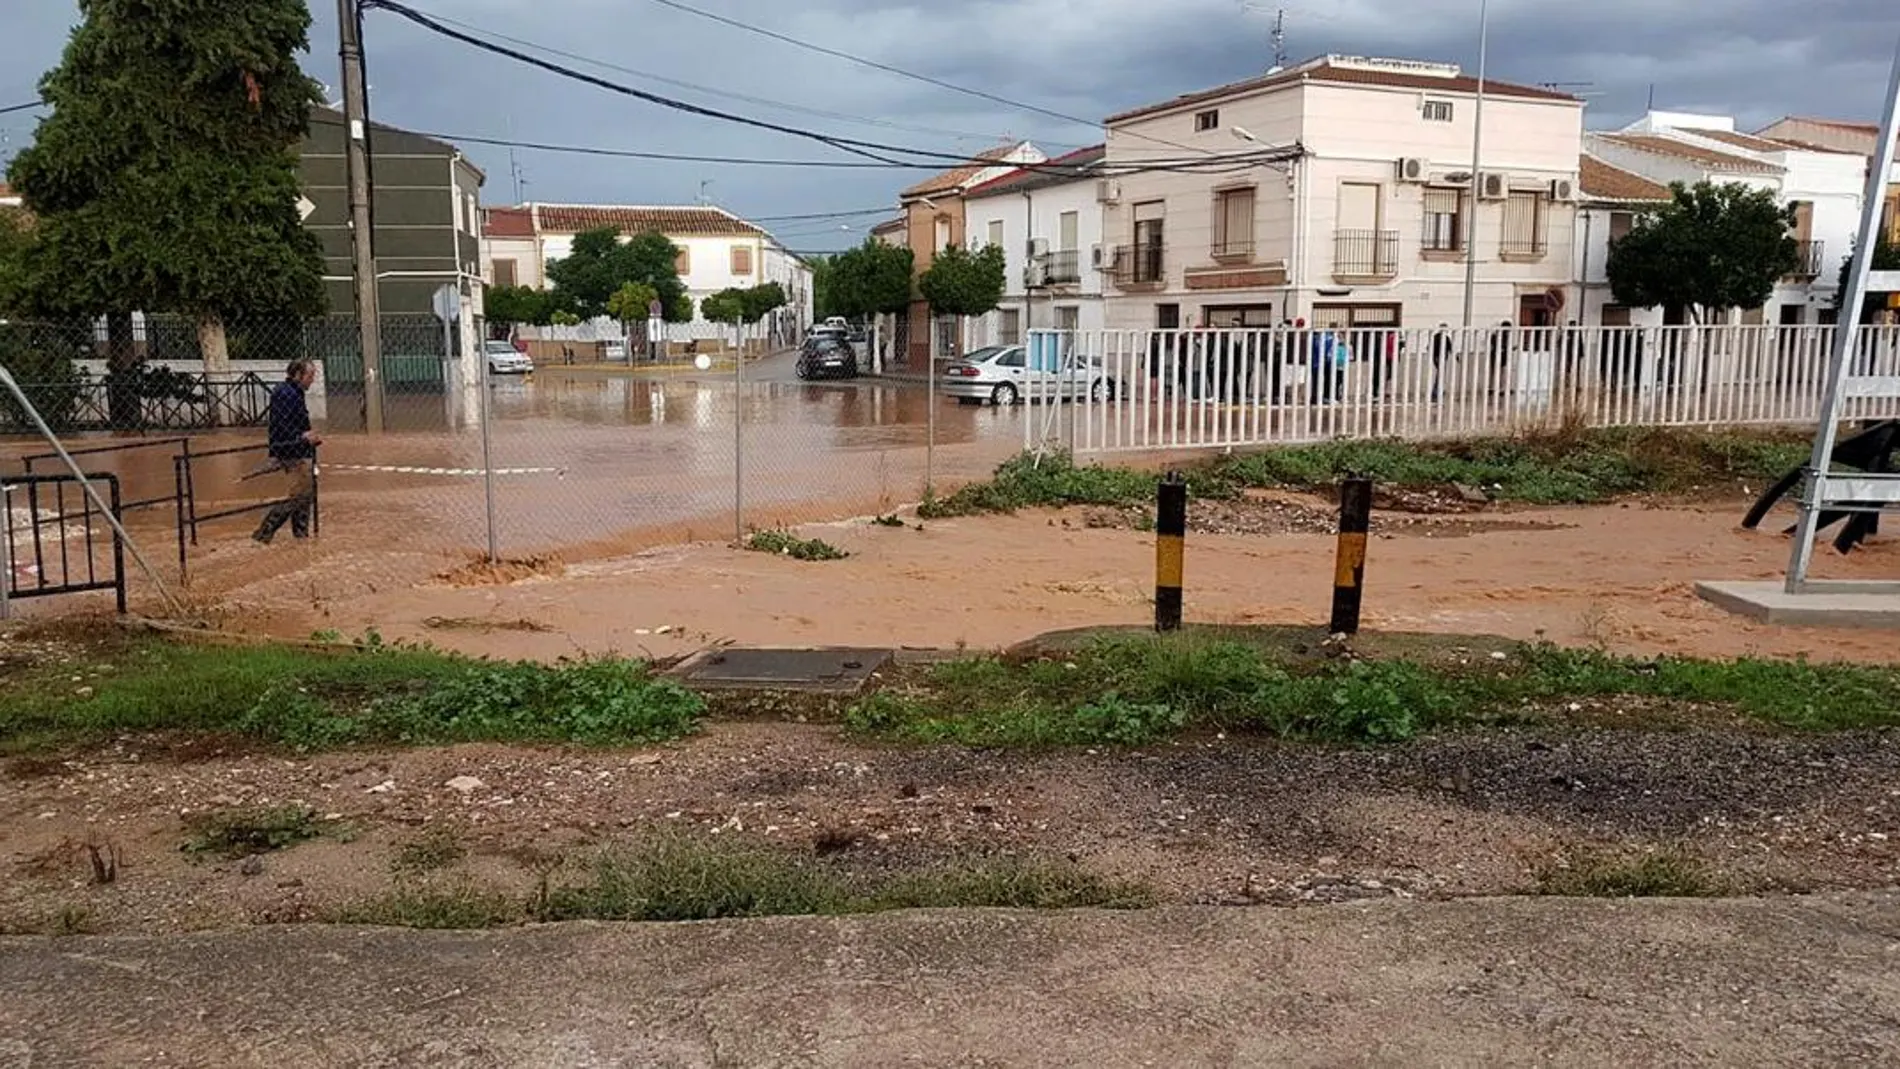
1349, 571
1170, 531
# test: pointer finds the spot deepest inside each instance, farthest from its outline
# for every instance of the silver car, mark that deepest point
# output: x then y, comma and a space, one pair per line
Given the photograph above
1002, 375
505, 359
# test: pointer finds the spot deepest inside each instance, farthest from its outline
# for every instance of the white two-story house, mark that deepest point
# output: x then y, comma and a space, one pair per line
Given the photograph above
1340, 192
1048, 222
1610, 198
1824, 187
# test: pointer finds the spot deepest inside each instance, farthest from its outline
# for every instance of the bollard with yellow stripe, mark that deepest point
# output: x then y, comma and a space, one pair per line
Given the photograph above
1349, 569
1170, 533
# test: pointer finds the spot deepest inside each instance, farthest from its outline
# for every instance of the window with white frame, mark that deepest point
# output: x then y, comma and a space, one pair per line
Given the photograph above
1436, 110
1444, 220
1524, 224
1206, 120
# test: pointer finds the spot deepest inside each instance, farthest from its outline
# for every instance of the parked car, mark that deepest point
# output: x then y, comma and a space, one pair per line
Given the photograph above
504, 359
1001, 375
827, 356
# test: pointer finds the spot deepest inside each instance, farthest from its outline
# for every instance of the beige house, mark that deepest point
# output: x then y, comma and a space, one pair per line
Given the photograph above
1859, 138
934, 220
1359, 211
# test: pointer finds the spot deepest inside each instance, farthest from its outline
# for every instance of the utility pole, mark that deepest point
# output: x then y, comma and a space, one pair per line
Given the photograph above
1477, 176
356, 132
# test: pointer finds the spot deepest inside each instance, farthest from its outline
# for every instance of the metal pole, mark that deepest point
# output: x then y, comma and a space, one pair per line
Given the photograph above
6, 552
1170, 536
39, 424
738, 441
1846, 332
1477, 149
1349, 568
356, 135
488, 470
930, 420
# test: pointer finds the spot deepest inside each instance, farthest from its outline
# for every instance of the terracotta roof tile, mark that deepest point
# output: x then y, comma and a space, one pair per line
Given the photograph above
1708, 157
1601, 181
673, 222
1809, 146
1320, 71
507, 222
955, 177
889, 225
1076, 165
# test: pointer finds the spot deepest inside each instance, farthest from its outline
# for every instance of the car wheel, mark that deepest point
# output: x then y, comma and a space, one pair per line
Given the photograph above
1004, 394
1102, 390
801, 370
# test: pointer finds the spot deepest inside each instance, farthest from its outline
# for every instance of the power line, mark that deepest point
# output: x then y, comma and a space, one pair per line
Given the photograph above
762, 101
901, 72
11, 108
587, 150
886, 210
855, 146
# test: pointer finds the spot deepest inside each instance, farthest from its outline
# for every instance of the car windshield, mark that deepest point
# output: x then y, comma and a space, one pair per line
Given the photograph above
501, 347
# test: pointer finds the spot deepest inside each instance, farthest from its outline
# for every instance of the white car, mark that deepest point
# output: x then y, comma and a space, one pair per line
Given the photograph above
1001, 375
505, 359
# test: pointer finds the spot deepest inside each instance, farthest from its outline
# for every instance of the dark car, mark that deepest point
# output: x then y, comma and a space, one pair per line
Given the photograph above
826, 356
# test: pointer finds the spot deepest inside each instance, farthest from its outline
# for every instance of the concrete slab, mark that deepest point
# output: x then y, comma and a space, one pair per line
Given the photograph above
1864, 605
829, 671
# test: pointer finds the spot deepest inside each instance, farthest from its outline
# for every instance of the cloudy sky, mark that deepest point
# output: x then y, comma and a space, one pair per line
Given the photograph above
1755, 59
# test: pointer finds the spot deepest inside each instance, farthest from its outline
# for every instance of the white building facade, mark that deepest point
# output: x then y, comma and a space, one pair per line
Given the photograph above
1048, 221
1610, 200
1823, 186
1348, 203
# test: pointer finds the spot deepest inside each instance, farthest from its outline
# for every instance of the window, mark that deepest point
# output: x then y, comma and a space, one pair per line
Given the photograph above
682, 261
1068, 226
1012, 327
1444, 220
505, 273
1233, 223
996, 232
1068, 318
943, 235
1167, 316
474, 217
1206, 120
1621, 223
1013, 358
742, 260
1524, 225
1437, 110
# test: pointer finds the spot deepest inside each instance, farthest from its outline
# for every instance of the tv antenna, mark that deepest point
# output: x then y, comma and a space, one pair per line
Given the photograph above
1277, 35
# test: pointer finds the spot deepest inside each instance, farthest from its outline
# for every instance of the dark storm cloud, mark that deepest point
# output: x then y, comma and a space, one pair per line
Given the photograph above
1755, 59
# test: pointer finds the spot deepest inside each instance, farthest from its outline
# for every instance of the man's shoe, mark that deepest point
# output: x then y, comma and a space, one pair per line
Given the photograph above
262, 538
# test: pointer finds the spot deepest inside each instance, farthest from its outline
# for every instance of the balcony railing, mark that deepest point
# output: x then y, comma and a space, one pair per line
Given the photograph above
1366, 253
1236, 248
1438, 236
1140, 264
1064, 268
1808, 260
1524, 245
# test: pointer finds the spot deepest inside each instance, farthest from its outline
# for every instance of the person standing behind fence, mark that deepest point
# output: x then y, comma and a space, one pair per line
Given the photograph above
293, 453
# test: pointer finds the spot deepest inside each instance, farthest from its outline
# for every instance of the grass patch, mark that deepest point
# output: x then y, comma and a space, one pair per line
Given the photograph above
1567, 465
1129, 691
786, 544
436, 848
1663, 874
312, 699
234, 833
461, 906
680, 880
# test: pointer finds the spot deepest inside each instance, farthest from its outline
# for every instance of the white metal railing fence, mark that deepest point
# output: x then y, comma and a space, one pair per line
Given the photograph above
1209, 388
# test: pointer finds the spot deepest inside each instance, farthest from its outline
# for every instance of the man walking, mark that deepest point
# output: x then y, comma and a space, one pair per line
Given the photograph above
293, 453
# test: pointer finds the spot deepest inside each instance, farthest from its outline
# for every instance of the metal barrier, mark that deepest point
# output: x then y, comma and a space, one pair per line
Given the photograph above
185, 492
37, 555
182, 443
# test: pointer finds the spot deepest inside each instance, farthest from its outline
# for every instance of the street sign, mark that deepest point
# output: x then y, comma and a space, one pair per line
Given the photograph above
447, 303
304, 207
654, 309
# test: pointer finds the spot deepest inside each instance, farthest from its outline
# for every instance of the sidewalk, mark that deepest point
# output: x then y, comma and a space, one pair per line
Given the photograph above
1482, 982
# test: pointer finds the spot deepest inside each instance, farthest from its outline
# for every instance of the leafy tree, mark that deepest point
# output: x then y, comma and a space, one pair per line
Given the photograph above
680, 309
600, 264
629, 305
507, 306
165, 178
1886, 258
964, 283
564, 318
726, 306
1712, 248
16, 239
872, 279
762, 300
42, 359
824, 287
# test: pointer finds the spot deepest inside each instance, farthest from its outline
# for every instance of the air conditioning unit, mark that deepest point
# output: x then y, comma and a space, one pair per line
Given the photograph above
1107, 191
1038, 248
1413, 169
1494, 186
1097, 256
1563, 189
1035, 275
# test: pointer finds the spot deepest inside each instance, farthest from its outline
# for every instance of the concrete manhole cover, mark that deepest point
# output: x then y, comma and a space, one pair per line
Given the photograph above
843, 671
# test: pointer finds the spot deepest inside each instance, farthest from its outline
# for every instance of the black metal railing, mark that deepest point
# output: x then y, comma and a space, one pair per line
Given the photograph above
159, 400
1366, 253
1522, 245
1064, 267
1809, 257
1440, 235
55, 540
1140, 264
185, 478
1224, 248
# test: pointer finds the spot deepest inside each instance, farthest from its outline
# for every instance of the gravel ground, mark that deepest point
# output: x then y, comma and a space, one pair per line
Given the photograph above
1204, 820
